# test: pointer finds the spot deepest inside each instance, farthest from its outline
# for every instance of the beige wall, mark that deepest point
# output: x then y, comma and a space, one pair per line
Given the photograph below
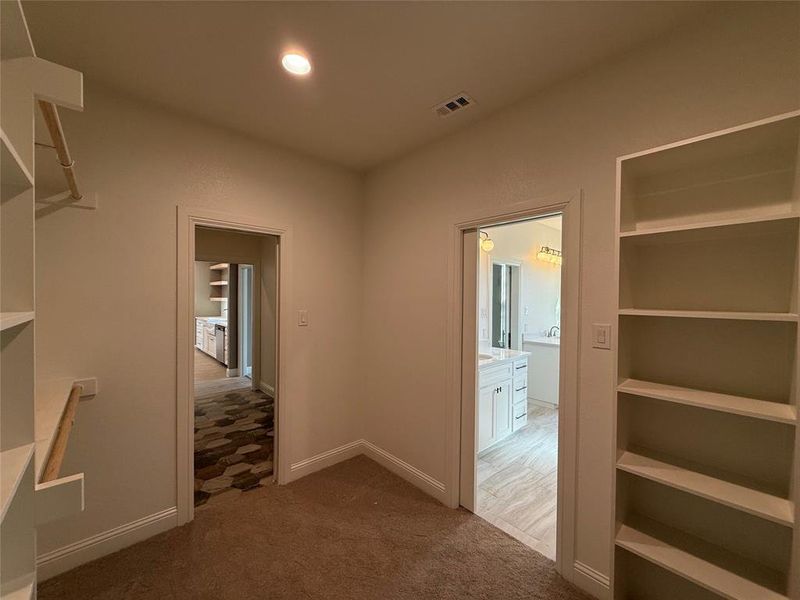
541, 281
203, 307
699, 80
118, 320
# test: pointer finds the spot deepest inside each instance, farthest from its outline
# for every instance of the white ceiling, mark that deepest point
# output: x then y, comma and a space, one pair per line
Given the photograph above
379, 67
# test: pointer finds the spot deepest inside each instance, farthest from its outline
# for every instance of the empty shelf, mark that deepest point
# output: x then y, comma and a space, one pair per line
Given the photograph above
687, 564
695, 225
51, 400
12, 319
761, 504
218, 283
709, 314
737, 405
13, 463
217, 298
219, 267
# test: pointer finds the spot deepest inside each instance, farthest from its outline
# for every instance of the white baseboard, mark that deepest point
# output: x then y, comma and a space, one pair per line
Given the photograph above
268, 389
591, 581
232, 372
324, 460
410, 473
68, 557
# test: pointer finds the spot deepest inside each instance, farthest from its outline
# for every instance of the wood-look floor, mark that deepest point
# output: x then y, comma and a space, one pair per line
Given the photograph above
210, 377
517, 482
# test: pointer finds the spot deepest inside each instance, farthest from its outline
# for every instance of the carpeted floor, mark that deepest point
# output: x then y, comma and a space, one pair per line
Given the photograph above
353, 531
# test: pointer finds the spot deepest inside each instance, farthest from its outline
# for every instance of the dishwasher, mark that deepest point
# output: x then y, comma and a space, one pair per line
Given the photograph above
219, 333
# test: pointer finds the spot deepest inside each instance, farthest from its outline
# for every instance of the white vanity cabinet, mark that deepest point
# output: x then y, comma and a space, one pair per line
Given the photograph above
502, 397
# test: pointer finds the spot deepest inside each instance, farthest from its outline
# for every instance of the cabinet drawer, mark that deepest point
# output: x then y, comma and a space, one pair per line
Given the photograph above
521, 365
520, 408
521, 395
493, 374
520, 421
520, 380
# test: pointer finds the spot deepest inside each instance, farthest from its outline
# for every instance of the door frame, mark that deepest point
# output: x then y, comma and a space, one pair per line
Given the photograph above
462, 358
188, 219
517, 277
248, 327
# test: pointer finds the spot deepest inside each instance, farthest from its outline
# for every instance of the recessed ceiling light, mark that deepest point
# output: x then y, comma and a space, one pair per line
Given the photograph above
296, 64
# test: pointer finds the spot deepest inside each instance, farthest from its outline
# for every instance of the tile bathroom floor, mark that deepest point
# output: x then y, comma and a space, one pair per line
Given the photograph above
517, 482
234, 433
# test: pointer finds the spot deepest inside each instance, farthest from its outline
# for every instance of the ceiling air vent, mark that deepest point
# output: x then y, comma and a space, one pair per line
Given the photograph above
452, 105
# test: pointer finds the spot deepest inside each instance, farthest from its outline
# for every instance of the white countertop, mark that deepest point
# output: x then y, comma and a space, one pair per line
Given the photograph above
500, 355
214, 320
542, 340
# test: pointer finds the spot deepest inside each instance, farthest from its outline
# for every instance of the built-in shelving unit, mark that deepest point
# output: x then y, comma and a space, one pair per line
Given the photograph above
32, 413
220, 273
706, 473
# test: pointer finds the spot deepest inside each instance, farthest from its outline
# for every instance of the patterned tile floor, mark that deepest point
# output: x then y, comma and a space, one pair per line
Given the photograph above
234, 434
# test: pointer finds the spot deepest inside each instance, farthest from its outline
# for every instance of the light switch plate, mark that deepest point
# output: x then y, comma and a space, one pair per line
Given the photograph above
302, 318
601, 336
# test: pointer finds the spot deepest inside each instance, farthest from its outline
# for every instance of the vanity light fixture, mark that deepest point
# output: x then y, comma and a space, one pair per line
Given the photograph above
550, 255
486, 242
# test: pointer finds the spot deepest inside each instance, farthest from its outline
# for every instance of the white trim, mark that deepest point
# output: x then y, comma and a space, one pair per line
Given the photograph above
325, 459
399, 467
389, 461
231, 372
70, 556
268, 389
591, 580
188, 218
460, 399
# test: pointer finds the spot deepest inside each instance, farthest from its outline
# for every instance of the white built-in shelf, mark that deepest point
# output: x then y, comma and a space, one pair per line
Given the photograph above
688, 557
737, 405
761, 504
12, 319
218, 283
21, 589
219, 267
701, 225
218, 299
51, 400
16, 176
710, 314
13, 463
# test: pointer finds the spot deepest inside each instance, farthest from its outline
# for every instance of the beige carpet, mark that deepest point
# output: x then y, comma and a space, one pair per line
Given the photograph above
353, 531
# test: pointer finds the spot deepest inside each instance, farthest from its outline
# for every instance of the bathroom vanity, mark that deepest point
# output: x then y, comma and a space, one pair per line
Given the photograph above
502, 395
545, 356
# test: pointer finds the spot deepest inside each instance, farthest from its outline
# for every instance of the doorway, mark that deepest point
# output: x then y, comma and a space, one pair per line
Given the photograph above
471, 322
518, 323
233, 388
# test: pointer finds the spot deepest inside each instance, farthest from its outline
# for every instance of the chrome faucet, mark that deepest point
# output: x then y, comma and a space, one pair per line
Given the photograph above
551, 333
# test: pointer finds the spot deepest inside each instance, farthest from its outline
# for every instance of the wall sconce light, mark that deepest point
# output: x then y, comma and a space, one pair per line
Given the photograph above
550, 255
486, 242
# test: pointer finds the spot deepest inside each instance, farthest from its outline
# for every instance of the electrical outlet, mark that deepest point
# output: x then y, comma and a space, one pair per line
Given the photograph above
601, 336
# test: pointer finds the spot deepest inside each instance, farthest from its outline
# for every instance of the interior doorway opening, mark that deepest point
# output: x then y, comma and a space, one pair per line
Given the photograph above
234, 364
518, 322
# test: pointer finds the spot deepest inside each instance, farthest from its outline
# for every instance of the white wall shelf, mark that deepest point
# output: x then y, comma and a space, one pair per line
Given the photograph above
705, 485
12, 319
737, 405
703, 572
755, 502
218, 283
219, 267
656, 232
709, 314
13, 463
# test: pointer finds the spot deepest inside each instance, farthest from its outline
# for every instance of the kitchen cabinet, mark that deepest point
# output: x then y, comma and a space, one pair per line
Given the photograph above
207, 333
